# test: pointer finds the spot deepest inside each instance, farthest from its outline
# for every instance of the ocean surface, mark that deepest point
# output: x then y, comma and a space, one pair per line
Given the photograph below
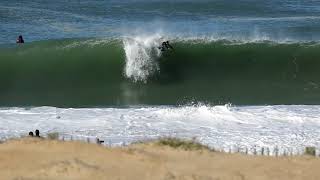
242, 73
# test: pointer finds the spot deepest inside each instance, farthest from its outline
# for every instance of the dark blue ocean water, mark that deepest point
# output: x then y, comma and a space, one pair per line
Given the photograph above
244, 20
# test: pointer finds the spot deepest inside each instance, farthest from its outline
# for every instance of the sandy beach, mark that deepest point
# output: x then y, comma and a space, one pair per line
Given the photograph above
33, 158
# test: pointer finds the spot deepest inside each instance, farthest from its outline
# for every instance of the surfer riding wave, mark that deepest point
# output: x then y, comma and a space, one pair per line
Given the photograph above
165, 46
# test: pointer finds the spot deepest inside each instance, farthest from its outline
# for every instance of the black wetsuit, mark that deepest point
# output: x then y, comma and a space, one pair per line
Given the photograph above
165, 46
20, 40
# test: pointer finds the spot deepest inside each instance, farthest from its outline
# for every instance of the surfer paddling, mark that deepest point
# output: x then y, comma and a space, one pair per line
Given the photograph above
20, 40
165, 46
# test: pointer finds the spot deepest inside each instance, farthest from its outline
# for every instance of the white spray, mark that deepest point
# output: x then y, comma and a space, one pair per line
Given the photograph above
141, 57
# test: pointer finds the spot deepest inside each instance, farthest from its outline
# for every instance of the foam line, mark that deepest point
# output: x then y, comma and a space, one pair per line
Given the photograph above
288, 127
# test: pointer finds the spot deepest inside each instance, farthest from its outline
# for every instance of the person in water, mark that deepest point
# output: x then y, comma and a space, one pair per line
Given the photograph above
20, 40
165, 46
168, 45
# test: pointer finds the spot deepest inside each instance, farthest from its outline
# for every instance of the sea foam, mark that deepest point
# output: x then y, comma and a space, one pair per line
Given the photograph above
289, 128
141, 55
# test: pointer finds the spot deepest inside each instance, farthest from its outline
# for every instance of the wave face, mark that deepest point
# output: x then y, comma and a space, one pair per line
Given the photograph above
132, 71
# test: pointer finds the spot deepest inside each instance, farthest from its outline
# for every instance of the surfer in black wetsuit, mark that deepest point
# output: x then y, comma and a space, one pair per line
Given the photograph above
168, 45
165, 46
20, 40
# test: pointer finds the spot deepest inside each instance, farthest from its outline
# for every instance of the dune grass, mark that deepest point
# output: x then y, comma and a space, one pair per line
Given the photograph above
182, 144
310, 151
53, 136
193, 144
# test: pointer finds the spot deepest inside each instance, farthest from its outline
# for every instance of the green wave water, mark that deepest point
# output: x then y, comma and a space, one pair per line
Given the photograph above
93, 72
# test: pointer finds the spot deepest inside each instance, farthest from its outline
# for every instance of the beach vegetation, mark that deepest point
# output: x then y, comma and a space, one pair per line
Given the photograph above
310, 151
182, 144
53, 136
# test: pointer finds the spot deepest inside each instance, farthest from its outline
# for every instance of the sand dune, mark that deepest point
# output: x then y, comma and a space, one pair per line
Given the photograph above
32, 158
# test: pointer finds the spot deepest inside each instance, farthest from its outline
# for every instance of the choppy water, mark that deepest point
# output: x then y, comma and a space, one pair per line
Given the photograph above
276, 20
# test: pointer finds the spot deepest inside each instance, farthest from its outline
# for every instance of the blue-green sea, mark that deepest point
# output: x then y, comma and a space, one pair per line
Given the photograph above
242, 74
105, 53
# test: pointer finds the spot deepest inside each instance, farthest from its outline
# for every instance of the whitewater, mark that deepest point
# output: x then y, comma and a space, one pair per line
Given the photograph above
287, 128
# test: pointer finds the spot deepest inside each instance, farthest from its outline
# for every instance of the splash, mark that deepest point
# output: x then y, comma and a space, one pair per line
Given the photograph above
141, 57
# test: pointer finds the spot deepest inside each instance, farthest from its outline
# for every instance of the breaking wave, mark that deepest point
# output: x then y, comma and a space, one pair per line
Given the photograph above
141, 57
134, 71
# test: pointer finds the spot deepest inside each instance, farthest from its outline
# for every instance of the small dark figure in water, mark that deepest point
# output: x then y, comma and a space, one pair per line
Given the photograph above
165, 46
31, 134
168, 45
20, 40
37, 133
